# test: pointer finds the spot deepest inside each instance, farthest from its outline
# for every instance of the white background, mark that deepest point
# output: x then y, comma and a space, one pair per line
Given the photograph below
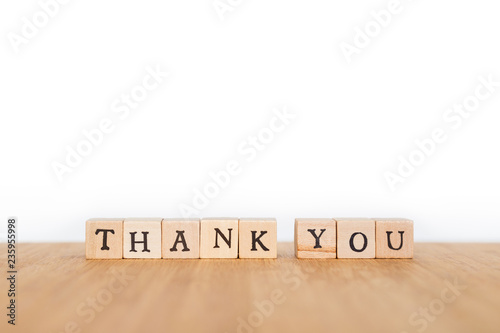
352, 121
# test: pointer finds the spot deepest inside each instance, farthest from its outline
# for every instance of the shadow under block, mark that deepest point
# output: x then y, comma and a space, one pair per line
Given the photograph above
103, 238
394, 238
355, 238
180, 238
142, 238
219, 238
315, 238
258, 238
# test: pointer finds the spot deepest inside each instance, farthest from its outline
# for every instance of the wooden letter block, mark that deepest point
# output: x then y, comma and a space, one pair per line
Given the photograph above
355, 238
394, 238
103, 238
142, 238
219, 238
180, 238
258, 238
315, 238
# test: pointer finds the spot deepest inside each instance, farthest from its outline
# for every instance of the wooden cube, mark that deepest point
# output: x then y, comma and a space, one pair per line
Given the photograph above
142, 238
180, 238
103, 238
219, 238
394, 238
355, 238
315, 238
258, 238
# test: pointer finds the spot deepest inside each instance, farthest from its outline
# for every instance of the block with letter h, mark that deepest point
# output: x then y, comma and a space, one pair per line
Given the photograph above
142, 238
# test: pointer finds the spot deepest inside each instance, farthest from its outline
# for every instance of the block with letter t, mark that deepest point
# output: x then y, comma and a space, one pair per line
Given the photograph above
103, 238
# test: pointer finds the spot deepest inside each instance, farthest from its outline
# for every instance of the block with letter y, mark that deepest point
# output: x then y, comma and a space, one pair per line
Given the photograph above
315, 238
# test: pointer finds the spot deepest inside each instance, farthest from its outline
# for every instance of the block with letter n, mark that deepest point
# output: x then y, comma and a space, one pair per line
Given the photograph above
219, 238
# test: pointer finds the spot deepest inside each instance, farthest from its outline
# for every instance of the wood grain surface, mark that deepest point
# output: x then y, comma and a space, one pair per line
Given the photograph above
60, 291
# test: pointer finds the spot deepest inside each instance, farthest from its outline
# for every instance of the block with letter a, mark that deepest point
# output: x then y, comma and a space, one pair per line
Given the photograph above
180, 238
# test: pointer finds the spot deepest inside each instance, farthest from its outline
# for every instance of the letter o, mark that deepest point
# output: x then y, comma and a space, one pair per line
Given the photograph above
259, 319
139, 93
436, 306
266, 135
81, 145
417, 157
104, 297
369, 31
351, 242
467, 103
215, 190
40, 15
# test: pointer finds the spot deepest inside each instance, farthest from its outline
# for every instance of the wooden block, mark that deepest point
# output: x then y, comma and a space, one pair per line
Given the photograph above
258, 238
180, 238
103, 238
142, 238
355, 238
219, 238
315, 238
394, 238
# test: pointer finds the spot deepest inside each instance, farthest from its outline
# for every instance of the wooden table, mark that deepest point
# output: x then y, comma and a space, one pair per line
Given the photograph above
59, 291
